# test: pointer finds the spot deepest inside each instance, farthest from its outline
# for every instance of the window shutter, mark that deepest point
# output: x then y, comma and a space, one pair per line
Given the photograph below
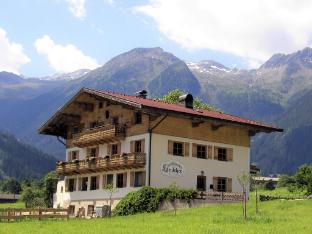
97, 152
215, 183
209, 151
144, 177
69, 156
125, 179
142, 145
132, 175
109, 149
88, 152
170, 147
216, 153
229, 152
119, 148
66, 185
186, 149
194, 150
77, 152
104, 180
132, 146
229, 185
97, 182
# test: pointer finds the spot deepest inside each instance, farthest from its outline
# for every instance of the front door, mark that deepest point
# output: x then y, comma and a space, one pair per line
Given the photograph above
201, 183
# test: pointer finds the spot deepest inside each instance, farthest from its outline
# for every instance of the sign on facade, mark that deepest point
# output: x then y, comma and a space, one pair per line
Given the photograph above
173, 169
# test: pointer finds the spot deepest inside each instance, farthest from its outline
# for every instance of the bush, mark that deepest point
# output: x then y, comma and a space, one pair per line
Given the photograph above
147, 199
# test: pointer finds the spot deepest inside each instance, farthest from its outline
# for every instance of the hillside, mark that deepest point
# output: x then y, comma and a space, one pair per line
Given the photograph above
21, 161
278, 92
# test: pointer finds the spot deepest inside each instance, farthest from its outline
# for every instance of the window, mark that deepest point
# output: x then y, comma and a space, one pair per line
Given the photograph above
201, 151
110, 179
93, 124
222, 154
114, 149
93, 152
71, 185
138, 118
201, 183
75, 129
100, 105
84, 184
221, 184
115, 120
121, 181
107, 114
139, 179
94, 183
74, 155
137, 146
90, 210
178, 148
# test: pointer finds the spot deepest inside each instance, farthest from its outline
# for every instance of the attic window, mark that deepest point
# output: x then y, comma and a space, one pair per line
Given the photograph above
100, 105
107, 114
138, 118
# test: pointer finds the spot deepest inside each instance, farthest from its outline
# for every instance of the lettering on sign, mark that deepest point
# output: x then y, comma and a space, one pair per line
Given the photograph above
173, 169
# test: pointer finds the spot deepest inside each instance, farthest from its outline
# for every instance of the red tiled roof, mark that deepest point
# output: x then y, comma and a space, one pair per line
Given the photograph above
150, 103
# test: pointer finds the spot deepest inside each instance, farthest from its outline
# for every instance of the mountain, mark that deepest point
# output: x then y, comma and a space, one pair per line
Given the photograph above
67, 76
22, 161
278, 92
7, 78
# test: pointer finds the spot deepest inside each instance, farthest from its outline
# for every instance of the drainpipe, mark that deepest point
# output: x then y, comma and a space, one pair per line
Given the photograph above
150, 131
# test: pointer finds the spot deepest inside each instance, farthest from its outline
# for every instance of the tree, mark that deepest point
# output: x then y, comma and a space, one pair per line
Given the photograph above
111, 190
244, 180
173, 97
50, 184
28, 196
11, 185
303, 178
255, 186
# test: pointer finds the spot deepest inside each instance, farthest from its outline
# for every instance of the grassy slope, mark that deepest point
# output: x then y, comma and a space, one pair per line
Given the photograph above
275, 217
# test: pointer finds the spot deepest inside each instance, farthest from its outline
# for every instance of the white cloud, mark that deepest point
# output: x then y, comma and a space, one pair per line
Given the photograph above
63, 58
11, 54
252, 29
78, 8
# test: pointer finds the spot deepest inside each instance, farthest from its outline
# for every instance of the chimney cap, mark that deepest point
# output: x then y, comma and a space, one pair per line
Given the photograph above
141, 93
186, 100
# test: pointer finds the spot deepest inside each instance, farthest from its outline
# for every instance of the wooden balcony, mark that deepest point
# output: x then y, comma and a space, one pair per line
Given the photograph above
99, 135
100, 164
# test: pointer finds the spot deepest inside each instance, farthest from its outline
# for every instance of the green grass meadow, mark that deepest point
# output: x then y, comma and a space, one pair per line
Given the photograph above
279, 216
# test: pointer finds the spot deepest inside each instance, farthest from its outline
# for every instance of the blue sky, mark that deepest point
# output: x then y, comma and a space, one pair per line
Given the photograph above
39, 38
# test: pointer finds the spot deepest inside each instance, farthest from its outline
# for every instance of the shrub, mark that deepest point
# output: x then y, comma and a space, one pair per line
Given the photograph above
147, 199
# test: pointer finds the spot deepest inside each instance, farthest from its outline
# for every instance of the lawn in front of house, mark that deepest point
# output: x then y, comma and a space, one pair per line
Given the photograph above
279, 216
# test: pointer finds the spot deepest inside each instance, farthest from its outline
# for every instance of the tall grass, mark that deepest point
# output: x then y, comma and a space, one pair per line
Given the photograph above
275, 217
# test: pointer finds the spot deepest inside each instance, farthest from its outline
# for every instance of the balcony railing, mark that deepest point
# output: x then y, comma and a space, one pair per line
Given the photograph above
100, 164
99, 135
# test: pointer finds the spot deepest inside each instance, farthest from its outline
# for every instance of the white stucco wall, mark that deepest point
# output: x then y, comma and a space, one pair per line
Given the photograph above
193, 166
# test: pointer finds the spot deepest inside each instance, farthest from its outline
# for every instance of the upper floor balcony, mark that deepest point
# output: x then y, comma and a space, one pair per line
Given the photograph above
100, 164
99, 135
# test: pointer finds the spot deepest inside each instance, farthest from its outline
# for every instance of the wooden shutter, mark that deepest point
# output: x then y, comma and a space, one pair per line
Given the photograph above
132, 143
194, 150
119, 148
229, 185
97, 151
109, 149
66, 185
186, 149
97, 182
124, 180
209, 151
144, 178
170, 147
132, 177
229, 152
142, 145
104, 180
215, 183
216, 153
69, 156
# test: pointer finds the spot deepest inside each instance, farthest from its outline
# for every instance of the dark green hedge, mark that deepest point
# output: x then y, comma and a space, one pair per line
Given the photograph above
270, 198
147, 199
